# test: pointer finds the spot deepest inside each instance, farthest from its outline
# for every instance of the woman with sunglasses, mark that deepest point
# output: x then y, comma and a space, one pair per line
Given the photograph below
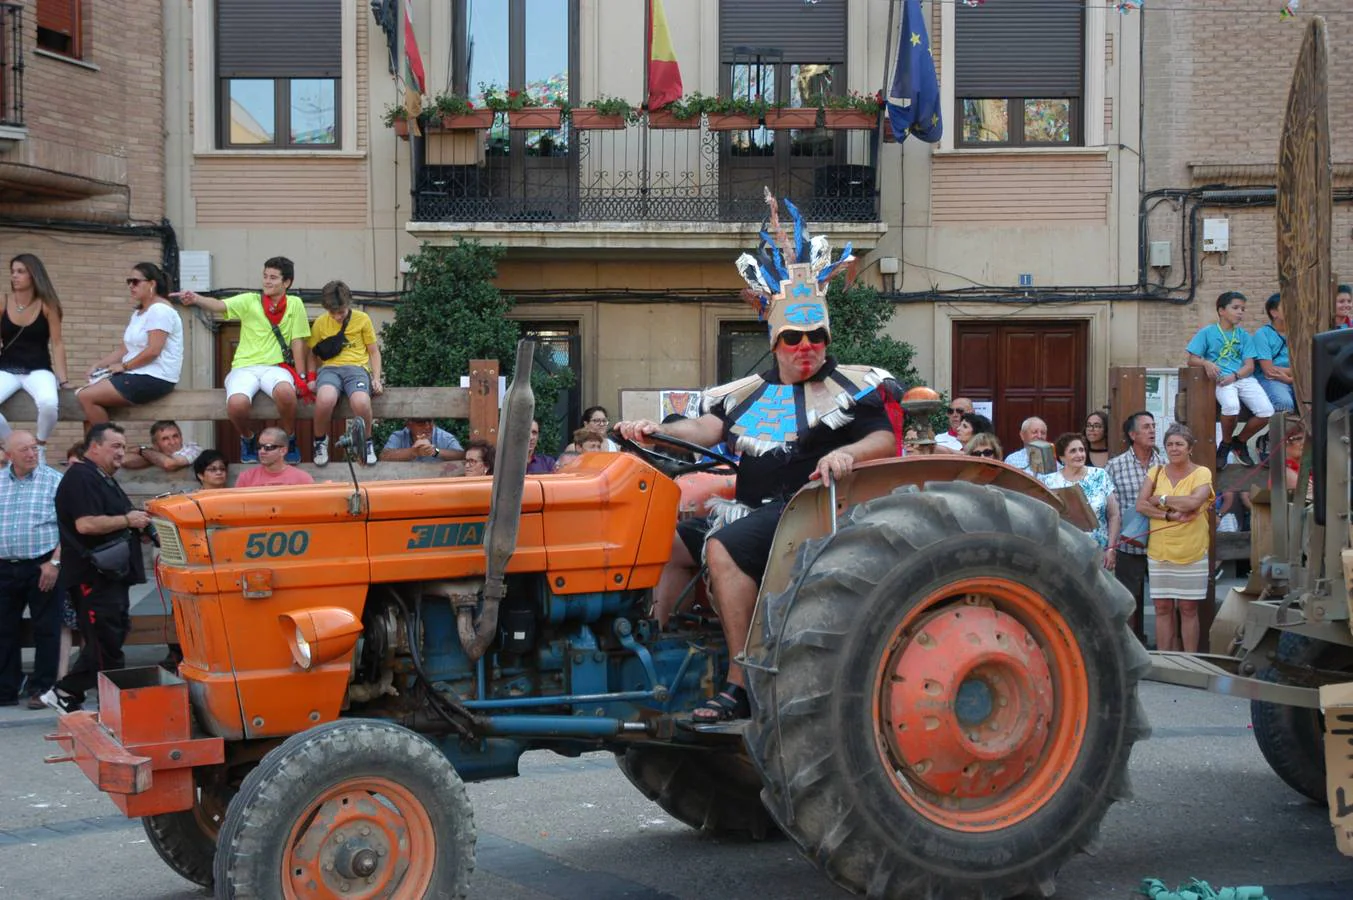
984, 444
211, 469
1073, 454
146, 365
1097, 438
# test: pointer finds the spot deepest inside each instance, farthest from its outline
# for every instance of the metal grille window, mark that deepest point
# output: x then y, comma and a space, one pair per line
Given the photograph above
60, 27
1019, 73
279, 67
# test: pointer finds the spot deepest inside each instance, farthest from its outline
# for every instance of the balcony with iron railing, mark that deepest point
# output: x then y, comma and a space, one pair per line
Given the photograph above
640, 185
11, 67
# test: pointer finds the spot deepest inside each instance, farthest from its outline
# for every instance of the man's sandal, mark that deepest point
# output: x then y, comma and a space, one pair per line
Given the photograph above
730, 703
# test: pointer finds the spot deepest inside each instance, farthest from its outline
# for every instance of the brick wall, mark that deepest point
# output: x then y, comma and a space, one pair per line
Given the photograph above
1216, 83
100, 122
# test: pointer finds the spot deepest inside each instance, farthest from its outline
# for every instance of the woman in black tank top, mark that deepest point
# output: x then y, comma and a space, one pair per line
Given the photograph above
32, 352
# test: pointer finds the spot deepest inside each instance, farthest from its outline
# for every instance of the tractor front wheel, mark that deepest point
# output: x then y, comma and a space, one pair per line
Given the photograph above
353, 808
186, 841
718, 791
1292, 738
945, 696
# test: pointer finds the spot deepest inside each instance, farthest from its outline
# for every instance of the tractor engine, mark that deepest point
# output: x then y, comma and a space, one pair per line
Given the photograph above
547, 645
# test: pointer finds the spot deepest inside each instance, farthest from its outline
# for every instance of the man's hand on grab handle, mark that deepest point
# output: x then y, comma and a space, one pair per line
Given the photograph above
638, 430
834, 466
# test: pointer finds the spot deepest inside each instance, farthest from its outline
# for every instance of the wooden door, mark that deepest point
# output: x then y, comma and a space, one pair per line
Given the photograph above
1033, 368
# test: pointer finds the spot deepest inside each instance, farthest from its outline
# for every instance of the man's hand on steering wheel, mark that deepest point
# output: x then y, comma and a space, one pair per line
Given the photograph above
637, 431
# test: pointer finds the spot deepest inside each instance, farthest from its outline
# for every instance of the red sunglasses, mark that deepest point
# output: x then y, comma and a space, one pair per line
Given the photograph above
816, 336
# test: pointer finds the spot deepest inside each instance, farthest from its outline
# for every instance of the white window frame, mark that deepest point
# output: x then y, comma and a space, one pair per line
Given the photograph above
1092, 95
206, 93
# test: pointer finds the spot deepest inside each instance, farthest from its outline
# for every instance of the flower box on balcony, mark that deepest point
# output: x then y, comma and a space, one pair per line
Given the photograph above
591, 120
663, 119
849, 119
475, 119
792, 117
733, 122
535, 118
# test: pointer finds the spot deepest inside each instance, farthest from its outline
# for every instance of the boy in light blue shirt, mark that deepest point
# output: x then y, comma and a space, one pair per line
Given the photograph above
1270, 355
1226, 352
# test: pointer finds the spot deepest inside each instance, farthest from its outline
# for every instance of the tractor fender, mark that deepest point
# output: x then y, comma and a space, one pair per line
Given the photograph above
808, 513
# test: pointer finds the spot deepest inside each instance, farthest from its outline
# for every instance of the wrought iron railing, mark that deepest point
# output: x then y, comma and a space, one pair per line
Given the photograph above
641, 173
11, 64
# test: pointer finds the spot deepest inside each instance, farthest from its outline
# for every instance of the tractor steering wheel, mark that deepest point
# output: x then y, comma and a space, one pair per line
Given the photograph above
671, 465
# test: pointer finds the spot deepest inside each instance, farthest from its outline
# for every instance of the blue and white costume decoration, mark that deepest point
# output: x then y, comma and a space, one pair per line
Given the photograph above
787, 283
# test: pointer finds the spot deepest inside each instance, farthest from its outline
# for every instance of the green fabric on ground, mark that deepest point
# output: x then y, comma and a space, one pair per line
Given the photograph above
1198, 890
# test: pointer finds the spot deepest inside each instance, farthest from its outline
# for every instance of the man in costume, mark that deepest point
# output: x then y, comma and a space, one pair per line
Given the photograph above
805, 418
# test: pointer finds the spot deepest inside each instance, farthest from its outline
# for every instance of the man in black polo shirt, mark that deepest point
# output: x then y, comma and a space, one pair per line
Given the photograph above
91, 510
807, 417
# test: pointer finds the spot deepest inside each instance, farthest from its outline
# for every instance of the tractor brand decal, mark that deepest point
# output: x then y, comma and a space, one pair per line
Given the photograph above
449, 534
277, 543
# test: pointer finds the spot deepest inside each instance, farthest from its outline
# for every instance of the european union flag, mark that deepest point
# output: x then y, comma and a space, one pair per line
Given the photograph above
914, 99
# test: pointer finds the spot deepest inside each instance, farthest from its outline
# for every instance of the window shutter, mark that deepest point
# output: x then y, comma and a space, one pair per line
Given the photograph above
1019, 48
803, 32
274, 39
60, 16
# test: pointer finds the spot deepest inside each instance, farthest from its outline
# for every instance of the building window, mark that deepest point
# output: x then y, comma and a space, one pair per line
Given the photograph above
520, 45
1019, 72
558, 350
743, 350
278, 68
59, 27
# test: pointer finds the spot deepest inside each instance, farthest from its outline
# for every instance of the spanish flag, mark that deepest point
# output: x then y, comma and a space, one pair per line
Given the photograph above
664, 75
414, 77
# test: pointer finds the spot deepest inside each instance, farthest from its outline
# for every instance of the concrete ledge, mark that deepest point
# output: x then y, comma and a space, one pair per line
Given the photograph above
210, 405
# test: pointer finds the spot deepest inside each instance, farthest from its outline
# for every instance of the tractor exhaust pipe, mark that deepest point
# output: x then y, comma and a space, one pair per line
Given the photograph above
509, 485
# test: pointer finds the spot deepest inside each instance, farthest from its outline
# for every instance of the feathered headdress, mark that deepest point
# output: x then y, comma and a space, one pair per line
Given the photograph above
787, 277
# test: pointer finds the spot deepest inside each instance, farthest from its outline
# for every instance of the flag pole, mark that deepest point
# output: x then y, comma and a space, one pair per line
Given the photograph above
643, 103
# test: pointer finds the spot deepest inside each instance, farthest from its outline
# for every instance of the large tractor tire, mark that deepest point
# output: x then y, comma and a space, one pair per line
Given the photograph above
186, 841
356, 807
718, 791
1292, 738
945, 697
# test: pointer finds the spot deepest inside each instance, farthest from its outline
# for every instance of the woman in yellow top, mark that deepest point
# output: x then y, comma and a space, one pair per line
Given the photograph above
343, 349
1176, 498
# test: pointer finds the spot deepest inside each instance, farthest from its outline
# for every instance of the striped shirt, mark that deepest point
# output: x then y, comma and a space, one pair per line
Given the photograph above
1128, 473
28, 526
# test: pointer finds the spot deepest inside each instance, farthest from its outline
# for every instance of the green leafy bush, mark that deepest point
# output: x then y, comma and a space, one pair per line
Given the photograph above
452, 314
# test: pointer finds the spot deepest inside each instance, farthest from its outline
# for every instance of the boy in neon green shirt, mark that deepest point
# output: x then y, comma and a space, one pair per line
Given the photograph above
273, 332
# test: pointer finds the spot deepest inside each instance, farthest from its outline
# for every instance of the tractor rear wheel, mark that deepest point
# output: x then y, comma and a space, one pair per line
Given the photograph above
357, 807
718, 791
1292, 738
945, 697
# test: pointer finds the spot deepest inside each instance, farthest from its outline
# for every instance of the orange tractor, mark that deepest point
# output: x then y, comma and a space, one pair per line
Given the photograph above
942, 675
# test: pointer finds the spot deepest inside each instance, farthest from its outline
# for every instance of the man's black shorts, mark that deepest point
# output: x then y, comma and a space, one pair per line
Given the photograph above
747, 540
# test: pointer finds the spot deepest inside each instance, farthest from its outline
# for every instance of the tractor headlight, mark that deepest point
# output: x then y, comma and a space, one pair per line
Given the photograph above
320, 635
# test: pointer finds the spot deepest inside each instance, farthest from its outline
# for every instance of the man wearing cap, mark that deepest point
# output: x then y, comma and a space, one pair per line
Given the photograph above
805, 418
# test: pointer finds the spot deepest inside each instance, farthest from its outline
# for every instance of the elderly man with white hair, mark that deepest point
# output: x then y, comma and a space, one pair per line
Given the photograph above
1032, 429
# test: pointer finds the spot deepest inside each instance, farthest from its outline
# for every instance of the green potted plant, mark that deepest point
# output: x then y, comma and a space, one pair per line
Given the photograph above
852, 110
736, 113
604, 114
397, 117
681, 113
523, 110
457, 113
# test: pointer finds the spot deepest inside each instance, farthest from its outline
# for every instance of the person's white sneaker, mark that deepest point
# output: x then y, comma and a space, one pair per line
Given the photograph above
322, 452
370, 453
62, 703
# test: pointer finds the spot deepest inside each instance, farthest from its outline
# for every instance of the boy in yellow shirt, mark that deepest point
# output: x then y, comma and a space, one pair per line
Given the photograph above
344, 351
